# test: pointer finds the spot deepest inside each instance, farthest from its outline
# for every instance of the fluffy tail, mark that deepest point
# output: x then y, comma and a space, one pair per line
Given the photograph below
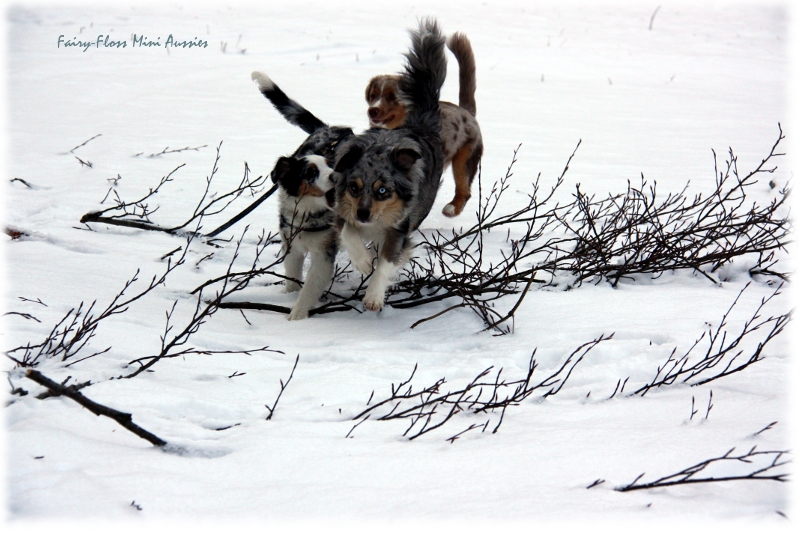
462, 49
425, 71
291, 110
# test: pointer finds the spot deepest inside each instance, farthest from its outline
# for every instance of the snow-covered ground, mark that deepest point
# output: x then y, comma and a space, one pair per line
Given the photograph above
641, 101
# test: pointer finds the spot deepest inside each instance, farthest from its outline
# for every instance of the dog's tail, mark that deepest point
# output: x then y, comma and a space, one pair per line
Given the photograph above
425, 71
291, 110
462, 49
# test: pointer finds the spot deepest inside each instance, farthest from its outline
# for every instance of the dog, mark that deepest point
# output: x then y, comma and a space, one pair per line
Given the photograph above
305, 199
306, 227
461, 135
387, 179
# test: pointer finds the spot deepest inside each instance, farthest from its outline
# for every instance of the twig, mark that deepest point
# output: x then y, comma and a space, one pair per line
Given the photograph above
36, 301
22, 181
355, 426
596, 482
85, 142
722, 357
82, 162
136, 214
768, 427
652, 18
283, 387
26, 316
168, 151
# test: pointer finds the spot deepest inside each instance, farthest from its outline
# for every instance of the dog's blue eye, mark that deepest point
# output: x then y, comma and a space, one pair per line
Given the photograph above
382, 191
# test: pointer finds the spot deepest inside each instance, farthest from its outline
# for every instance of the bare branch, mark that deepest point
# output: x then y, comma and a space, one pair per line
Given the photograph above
123, 419
687, 475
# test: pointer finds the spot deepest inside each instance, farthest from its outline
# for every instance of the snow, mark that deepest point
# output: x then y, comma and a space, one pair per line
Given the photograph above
652, 102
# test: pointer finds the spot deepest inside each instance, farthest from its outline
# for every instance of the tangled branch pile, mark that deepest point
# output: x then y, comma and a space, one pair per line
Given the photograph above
587, 239
592, 240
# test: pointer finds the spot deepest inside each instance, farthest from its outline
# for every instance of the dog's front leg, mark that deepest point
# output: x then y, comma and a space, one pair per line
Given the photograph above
293, 268
392, 256
318, 277
380, 281
360, 256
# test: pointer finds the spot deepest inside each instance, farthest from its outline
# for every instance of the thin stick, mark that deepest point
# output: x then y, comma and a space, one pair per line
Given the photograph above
85, 143
283, 387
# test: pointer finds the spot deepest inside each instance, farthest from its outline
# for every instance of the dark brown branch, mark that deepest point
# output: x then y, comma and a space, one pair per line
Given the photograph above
123, 419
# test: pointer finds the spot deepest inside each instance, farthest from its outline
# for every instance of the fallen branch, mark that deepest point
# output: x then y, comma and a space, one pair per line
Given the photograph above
136, 214
429, 408
78, 326
176, 344
687, 475
123, 419
720, 351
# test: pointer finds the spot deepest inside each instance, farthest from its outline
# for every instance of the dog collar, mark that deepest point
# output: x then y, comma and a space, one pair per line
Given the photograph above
320, 226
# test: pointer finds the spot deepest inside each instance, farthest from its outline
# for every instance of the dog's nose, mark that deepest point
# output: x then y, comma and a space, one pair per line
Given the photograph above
362, 214
373, 112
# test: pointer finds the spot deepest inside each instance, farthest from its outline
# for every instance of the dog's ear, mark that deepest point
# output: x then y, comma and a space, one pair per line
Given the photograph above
369, 88
404, 158
349, 158
282, 167
287, 172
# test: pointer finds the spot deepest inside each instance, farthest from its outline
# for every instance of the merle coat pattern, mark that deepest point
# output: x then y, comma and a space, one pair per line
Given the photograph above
387, 180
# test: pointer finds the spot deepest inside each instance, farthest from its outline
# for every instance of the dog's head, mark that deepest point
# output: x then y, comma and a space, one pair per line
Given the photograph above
307, 176
385, 108
376, 181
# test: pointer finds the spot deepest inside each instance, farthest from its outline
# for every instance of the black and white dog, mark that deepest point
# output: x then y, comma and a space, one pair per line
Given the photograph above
387, 180
305, 200
306, 228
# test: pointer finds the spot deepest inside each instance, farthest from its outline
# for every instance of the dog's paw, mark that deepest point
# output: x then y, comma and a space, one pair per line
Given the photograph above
373, 300
373, 304
299, 312
454, 208
291, 286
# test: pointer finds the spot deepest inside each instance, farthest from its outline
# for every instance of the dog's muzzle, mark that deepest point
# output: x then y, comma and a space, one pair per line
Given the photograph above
362, 214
